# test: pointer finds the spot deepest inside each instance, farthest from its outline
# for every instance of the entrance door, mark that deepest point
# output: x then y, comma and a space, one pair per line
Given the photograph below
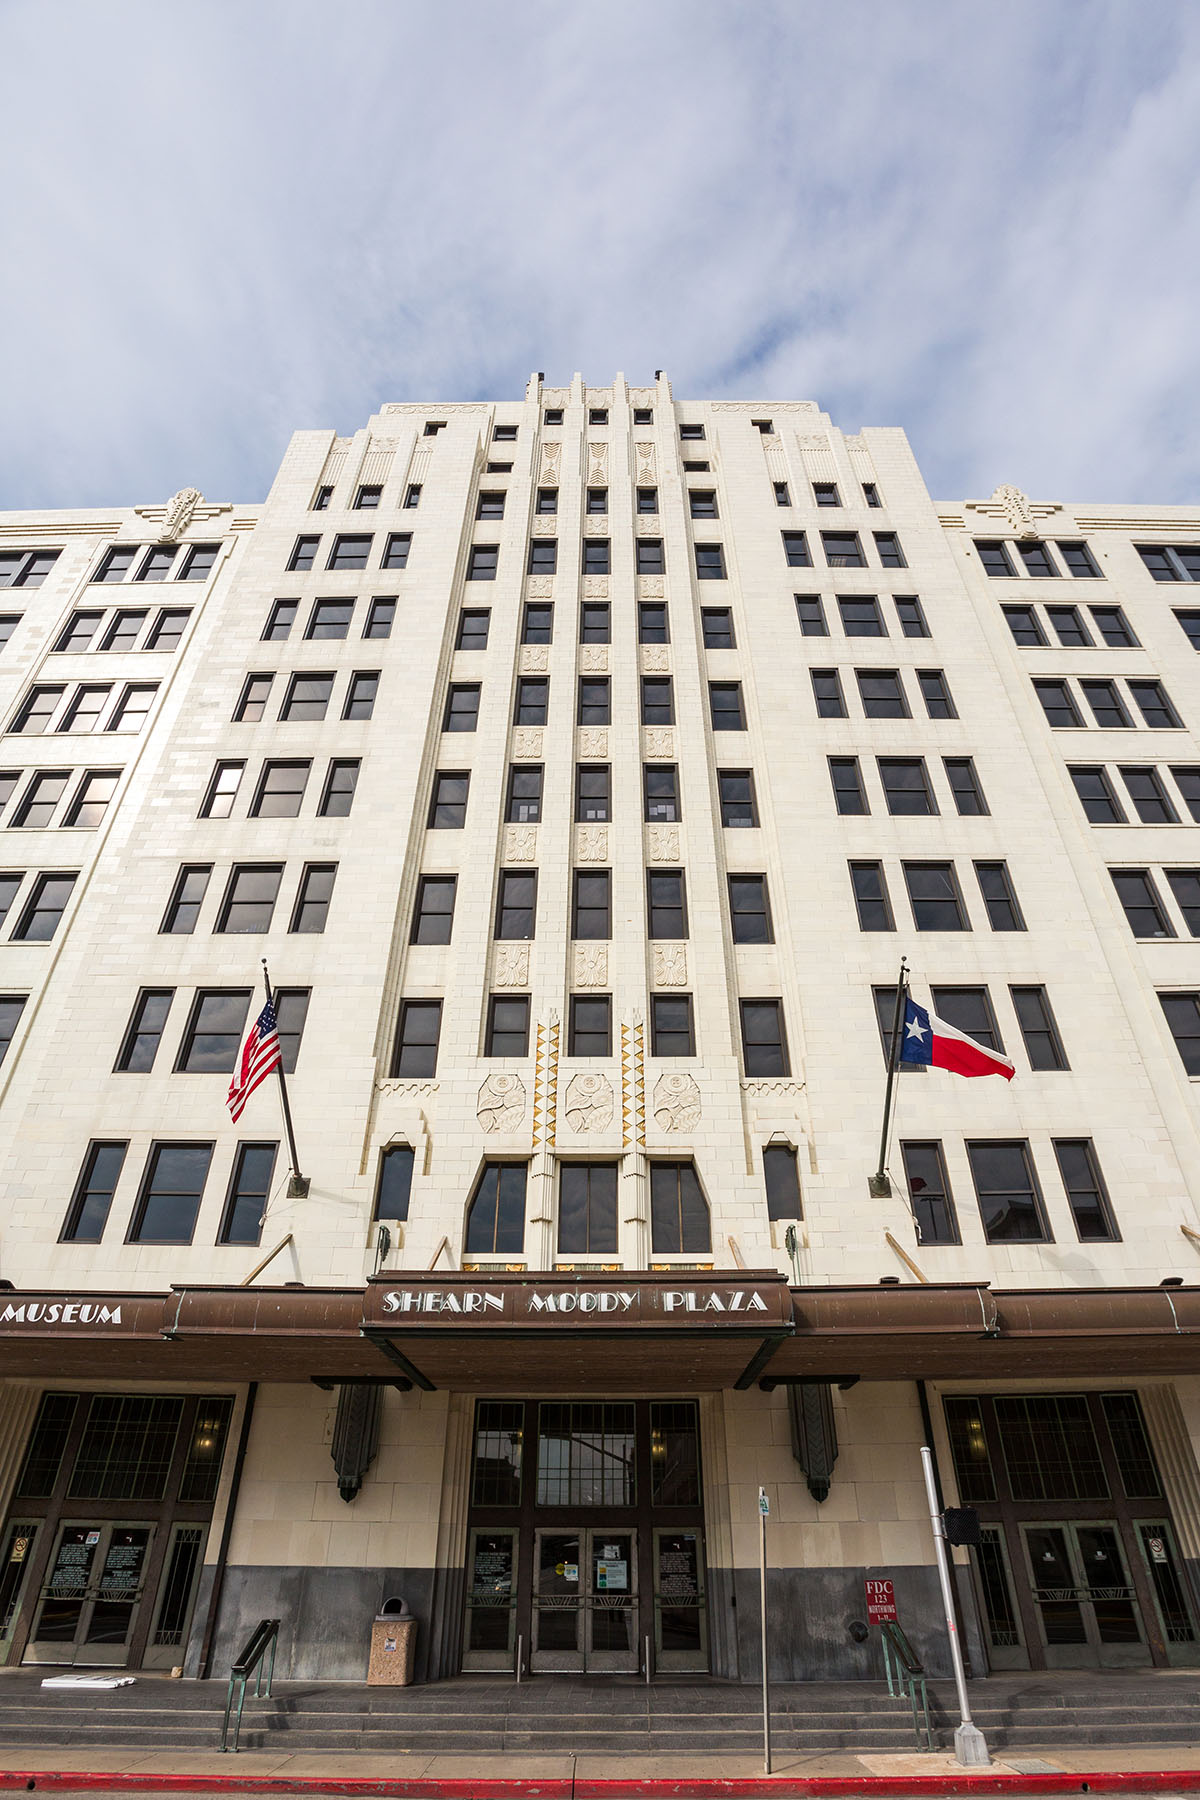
680, 1633
91, 1594
585, 1607
1086, 1604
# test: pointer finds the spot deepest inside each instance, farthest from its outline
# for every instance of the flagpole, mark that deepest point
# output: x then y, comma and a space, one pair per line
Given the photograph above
298, 1184
879, 1185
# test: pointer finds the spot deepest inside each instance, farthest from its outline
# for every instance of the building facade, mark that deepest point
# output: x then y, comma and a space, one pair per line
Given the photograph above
581, 768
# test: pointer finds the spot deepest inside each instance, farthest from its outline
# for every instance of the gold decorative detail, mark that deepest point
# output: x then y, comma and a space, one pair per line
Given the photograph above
676, 1102
539, 1083
669, 965
501, 1103
551, 1082
589, 1103
662, 843
510, 965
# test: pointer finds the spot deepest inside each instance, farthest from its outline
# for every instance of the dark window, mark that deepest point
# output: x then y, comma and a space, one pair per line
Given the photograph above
524, 803
671, 1025
750, 910
594, 622
595, 556
433, 915
597, 500
710, 562
970, 1010
666, 897
417, 1039
118, 561
929, 1194
40, 800
999, 896
8, 784
1164, 563
643, 415
906, 784
340, 783
8, 624
936, 694
1190, 624
543, 556
498, 468
653, 626
910, 615
869, 887
1114, 627
871, 494
360, 694
280, 790
538, 624
394, 1187
38, 708
598, 415
591, 903
1108, 709
964, 785
691, 431
589, 1031
882, 694
143, 1034
367, 498
213, 1033
884, 999
187, 895
496, 1215
533, 700
782, 496
321, 499
890, 554
1138, 894
592, 800
1069, 627
87, 1214
307, 698
79, 631
133, 707
1086, 1192
553, 415
516, 903
1043, 1046
848, 792
249, 1190
1154, 705
738, 807
843, 550
781, 1177
1010, 1200
171, 1194
95, 790
490, 505
1037, 559
647, 499
198, 563
587, 1209
29, 569
85, 708
1057, 703
827, 692
994, 557
1024, 625
44, 908
433, 426
252, 702
462, 707
1149, 796
725, 706
935, 898
660, 782
482, 561
349, 552
1182, 1012
861, 617
1185, 885
1188, 783
679, 1221
811, 615
280, 621
795, 550
291, 1010
658, 700
825, 493
1095, 791
764, 1046
250, 897
329, 619
412, 495
313, 897
508, 1025
1079, 560
717, 625
222, 790
702, 503
473, 625
395, 555
547, 500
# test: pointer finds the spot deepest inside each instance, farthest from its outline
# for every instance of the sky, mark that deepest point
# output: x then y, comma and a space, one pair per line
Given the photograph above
231, 219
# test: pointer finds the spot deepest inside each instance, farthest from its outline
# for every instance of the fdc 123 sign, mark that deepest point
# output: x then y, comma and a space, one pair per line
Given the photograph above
881, 1601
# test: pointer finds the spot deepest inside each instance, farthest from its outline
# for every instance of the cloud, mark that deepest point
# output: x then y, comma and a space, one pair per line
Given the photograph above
227, 221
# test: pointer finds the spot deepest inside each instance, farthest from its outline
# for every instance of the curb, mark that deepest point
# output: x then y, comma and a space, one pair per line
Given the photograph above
1102, 1781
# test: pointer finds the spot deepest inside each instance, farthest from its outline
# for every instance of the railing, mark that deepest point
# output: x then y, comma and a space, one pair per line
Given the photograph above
264, 1637
906, 1676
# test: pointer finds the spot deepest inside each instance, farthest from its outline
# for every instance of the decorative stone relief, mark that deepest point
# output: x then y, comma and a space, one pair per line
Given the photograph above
1016, 509
589, 1103
656, 659
646, 474
647, 525
670, 965
660, 741
407, 1089
676, 1103
535, 659
597, 459
593, 743
593, 659
596, 525
520, 843
591, 843
591, 965
178, 515
527, 741
813, 443
510, 965
662, 843
540, 587
501, 1103
651, 587
544, 525
595, 587
551, 457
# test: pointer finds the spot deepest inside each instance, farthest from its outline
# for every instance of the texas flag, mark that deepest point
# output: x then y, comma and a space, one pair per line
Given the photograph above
929, 1040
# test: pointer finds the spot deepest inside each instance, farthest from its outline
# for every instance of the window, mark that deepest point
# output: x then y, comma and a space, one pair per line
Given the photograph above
750, 910
1182, 1013
8, 621
671, 1031
433, 426
26, 568
1037, 559
87, 1214
717, 625
253, 699
739, 810
303, 554
587, 1209
222, 790
143, 1034
504, 434
594, 625
764, 1046
702, 503
1057, 704
417, 1039
321, 499
547, 500
1106, 704
843, 550
647, 499
825, 493
1153, 703
8, 783
40, 800
906, 784
929, 1196
187, 895
696, 468
862, 617
936, 694
589, 1030
433, 916
1096, 796
395, 555
1023, 623
168, 628
543, 556
848, 792
811, 615
882, 694
516, 903
313, 897
871, 897
482, 562
595, 556
79, 631
250, 898
591, 903
995, 558
660, 784
782, 1181
156, 563
782, 495
307, 697
964, 785
360, 694
198, 563
935, 898
691, 431
171, 1193
538, 626
213, 1034
1079, 560
280, 620
999, 896
1006, 1184
1043, 1046
1149, 796
524, 803
462, 707
280, 790
554, 416
1180, 562
795, 550
710, 562
508, 1025
658, 700
884, 999
649, 554
86, 708
1144, 909
92, 796
666, 903
597, 500
329, 619
349, 552
291, 1010
395, 1182
1188, 783
496, 1215
679, 1221
725, 706
340, 783
1190, 623
37, 710
643, 415
653, 625
533, 699
1069, 627
249, 1188
117, 562
970, 1010
592, 798
871, 494
1086, 1192
598, 415
44, 908
367, 498
1185, 885
9, 887
380, 618
891, 555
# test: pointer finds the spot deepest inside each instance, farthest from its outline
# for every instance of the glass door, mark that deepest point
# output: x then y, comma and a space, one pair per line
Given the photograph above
611, 1642
557, 1603
680, 1621
1159, 1552
1086, 1604
489, 1640
91, 1594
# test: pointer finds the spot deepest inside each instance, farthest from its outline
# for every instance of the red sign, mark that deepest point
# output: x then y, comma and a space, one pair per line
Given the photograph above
881, 1601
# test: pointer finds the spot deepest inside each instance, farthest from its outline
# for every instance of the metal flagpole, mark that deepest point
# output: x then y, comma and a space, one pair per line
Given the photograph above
764, 1507
879, 1185
970, 1745
298, 1185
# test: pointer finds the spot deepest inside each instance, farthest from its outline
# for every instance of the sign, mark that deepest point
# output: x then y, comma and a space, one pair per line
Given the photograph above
470, 1303
1158, 1549
764, 1505
881, 1601
66, 1315
612, 1576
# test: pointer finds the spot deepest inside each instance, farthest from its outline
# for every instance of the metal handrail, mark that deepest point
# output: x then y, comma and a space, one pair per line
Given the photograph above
906, 1677
264, 1637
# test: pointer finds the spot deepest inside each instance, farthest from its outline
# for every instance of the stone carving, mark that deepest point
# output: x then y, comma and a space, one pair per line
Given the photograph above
510, 965
178, 515
813, 443
597, 465
676, 1103
662, 843
646, 475
593, 743
651, 587
501, 1103
593, 659
520, 843
591, 843
591, 965
527, 741
596, 525
670, 965
589, 1103
647, 525
1016, 509
540, 587
551, 453
656, 659
660, 741
595, 587
535, 659
544, 525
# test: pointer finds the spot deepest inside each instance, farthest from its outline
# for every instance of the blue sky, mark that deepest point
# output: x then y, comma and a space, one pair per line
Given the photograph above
232, 218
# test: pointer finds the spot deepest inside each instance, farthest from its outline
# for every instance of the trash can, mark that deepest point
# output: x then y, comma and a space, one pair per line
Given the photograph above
393, 1645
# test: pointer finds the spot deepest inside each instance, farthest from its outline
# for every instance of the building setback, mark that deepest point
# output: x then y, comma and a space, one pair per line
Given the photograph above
582, 767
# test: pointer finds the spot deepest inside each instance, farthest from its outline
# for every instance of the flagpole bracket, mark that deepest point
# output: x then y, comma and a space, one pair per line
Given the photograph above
879, 1187
297, 1187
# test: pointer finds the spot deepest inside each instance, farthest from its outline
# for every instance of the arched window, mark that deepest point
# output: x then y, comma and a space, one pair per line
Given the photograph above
587, 1209
679, 1221
496, 1215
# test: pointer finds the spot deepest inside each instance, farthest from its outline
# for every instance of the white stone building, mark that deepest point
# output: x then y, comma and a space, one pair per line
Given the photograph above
582, 767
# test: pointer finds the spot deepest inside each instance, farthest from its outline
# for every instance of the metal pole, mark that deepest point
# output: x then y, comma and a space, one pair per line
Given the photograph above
763, 1508
970, 1746
880, 1186
283, 1093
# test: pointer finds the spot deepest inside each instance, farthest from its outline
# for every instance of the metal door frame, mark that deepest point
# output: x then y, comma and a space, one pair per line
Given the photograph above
73, 1652
1102, 1655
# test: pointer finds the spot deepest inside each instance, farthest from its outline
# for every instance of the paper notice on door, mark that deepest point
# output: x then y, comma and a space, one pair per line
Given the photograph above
612, 1552
570, 1571
612, 1576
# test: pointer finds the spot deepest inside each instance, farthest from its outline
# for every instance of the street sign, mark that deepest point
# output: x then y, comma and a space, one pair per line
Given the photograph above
764, 1505
881, 1601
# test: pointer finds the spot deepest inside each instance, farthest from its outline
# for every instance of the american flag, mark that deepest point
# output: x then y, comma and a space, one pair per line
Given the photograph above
260, 1054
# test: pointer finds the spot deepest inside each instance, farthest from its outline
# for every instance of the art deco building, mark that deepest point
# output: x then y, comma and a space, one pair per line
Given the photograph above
583, 766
